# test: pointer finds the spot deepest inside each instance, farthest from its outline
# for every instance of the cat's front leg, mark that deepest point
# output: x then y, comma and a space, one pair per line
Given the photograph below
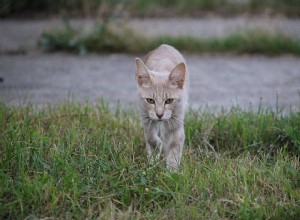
173, 151
153, 143
153, 151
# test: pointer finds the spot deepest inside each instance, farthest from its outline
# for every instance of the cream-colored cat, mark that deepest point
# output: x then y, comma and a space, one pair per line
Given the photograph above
163, 96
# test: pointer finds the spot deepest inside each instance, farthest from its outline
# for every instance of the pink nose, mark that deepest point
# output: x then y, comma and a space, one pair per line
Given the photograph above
159, 115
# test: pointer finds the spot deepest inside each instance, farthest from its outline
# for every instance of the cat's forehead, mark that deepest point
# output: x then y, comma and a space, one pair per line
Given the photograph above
158, 77
159, 87
160, 90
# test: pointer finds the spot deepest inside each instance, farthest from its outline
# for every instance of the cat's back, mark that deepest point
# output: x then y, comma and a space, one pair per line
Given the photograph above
163, 58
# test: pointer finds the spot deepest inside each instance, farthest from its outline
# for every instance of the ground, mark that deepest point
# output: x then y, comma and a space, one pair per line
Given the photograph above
216, 80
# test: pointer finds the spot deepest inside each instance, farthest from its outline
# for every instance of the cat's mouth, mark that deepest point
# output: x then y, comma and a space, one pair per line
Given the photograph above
162, 119
159, 119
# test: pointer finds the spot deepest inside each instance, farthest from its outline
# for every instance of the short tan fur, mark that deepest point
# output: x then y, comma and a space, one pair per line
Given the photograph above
162, 83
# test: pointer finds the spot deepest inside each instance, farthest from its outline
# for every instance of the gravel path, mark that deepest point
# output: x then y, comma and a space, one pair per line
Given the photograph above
215, 80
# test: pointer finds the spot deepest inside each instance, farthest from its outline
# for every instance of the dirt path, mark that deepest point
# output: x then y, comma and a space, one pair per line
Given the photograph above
215, 80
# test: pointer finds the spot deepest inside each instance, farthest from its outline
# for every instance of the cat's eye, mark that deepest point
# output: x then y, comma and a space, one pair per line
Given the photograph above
150, 101
169, 101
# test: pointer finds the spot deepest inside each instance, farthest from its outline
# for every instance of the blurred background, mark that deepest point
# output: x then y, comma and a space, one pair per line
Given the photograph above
142, 8
239, 52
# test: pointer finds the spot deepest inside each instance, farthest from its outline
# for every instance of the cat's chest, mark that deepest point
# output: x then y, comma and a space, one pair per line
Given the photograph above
162, 131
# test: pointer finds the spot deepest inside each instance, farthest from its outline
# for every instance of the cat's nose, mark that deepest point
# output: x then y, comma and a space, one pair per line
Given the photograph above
159, 115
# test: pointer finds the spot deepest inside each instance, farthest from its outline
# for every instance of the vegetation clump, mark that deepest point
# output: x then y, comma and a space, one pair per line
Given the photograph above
105, 38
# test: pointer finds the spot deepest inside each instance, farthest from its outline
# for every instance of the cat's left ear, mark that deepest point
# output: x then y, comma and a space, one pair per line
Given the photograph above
177, 76
142, 74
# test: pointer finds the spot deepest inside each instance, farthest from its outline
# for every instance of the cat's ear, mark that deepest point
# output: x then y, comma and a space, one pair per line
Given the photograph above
177, 76
142, 74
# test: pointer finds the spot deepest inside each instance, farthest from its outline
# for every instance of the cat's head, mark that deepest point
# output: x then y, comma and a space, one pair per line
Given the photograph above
160, 94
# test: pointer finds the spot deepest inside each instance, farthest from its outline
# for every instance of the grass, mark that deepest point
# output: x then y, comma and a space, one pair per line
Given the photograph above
104, 38
141, 8
82, 161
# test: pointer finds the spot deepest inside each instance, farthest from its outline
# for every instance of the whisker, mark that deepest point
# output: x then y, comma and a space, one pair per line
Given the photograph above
175, 122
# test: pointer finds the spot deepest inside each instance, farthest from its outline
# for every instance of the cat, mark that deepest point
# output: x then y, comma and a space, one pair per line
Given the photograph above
162, 84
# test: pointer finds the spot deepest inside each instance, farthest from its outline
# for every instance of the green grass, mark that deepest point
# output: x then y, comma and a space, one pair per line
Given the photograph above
82, 161
103, 39
151, 8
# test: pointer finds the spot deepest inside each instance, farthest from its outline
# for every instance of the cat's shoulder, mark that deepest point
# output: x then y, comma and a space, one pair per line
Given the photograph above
165, 48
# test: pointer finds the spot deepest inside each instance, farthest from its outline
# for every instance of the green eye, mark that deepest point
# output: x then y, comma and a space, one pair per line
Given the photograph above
150, 101
169, 101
